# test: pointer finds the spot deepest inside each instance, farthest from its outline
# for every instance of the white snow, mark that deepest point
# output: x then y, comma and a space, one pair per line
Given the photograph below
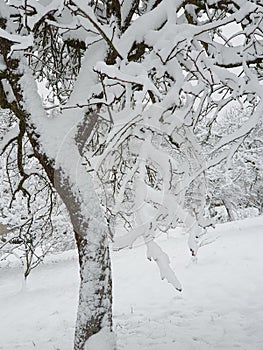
103, 340
220, 307
23, 42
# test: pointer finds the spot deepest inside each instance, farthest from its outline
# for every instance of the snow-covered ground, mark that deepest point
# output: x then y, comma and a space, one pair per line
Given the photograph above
221, 306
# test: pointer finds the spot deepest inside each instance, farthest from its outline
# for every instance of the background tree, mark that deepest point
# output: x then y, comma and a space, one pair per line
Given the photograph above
128, 82
35, 219
236, 185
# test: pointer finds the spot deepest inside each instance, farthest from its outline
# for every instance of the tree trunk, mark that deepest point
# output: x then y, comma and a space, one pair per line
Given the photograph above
95, 293
227, 205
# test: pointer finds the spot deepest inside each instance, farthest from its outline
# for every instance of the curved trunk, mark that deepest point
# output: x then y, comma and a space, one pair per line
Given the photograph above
95, 294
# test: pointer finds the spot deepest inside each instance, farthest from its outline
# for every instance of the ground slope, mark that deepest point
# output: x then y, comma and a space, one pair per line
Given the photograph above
221, 306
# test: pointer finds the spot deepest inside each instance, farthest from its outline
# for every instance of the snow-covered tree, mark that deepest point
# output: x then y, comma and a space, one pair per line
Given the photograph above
119, 88
33, 217
236, 185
